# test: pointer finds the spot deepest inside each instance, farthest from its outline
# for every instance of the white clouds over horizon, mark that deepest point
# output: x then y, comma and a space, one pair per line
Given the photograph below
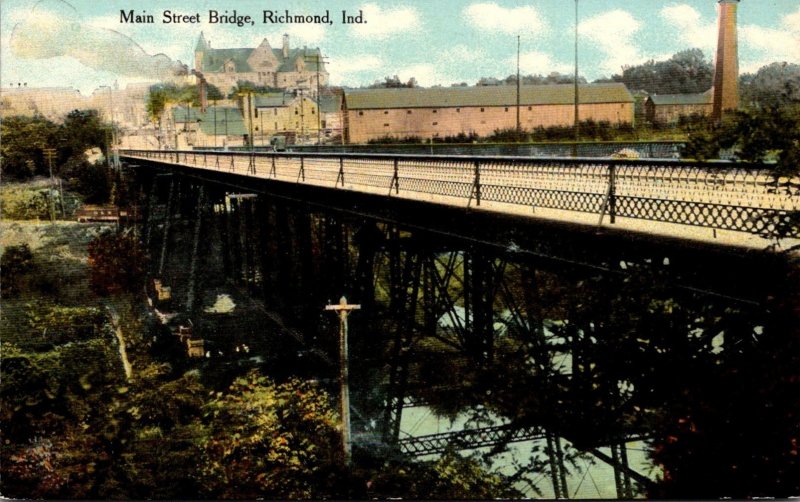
382, 23
359, 69
540, 63
691, 29
512, 21
613, 33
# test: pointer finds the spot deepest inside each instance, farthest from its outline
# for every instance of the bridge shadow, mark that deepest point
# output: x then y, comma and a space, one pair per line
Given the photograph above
575, 343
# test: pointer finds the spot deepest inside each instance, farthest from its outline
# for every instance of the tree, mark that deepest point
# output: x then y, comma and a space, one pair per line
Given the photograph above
117, 264
686, 72
393, 83
213, 93
247, 87
772, 85
269, 440
24, 139
15, 264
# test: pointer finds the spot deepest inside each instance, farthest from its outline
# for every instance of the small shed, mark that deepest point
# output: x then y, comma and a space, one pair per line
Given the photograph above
669, 108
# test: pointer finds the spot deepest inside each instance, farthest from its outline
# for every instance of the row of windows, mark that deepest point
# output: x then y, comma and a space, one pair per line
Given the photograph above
387, 125
458, 110
275, 112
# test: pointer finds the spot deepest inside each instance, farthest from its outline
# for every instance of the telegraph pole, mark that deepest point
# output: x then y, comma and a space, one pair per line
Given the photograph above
343, 310
577, 120
50, 153
518, 123
319, 60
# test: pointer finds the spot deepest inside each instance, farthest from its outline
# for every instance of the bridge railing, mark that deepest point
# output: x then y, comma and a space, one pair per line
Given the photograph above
739, 197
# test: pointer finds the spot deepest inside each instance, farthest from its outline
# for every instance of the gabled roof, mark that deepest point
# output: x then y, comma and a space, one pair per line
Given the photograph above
705, 98
558, 94
201, 43
273, 100
214, 59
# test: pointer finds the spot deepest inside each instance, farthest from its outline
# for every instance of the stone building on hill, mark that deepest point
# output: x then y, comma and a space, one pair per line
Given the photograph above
449, 111
290, 69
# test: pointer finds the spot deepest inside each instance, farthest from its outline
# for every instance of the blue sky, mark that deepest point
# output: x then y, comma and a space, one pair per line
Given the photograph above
437, 42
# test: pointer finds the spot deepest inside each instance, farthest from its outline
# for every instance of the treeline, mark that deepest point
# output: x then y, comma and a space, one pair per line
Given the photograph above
27, 140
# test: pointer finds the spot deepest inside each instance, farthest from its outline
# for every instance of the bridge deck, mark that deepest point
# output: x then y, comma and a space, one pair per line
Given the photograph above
733, 204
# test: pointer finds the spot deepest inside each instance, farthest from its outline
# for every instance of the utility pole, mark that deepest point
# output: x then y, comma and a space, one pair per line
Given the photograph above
343, 310
518, 123
577, 120
319, 60
50, 153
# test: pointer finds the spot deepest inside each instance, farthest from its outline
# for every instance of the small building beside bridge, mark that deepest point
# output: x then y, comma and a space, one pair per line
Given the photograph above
450, 111
669, 108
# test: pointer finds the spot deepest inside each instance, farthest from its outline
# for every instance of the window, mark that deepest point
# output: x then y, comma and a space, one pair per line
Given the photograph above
385, 125
434, 111
256, 112
276, 126
435, 123
530, 108
481, 109
256, 128
386, 112
506, 108
361, 113
408, 112
313, 111
458, 110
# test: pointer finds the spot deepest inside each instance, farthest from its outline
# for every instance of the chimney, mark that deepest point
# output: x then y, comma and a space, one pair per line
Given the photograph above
285, 45
726, 71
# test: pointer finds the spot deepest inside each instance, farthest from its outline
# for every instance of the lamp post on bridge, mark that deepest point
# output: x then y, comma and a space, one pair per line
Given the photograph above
343, 310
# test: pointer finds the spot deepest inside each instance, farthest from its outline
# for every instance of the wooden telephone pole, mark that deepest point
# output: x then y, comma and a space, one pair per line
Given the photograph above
343, 310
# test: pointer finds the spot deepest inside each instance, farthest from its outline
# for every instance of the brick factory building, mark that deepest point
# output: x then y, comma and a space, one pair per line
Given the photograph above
448, 111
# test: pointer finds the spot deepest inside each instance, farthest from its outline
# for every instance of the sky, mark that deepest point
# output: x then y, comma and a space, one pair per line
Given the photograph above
82, 43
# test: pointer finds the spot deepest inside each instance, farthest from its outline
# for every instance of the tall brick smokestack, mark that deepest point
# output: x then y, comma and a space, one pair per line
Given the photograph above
726, 72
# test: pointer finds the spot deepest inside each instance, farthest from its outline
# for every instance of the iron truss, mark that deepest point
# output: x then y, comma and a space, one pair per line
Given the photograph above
468, 439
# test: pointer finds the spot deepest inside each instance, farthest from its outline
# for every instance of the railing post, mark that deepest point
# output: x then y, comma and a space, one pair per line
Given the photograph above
395, 179
612, 196
341, 172
477, 183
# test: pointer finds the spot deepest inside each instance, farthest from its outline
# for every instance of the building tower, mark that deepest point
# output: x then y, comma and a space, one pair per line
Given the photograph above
726, 71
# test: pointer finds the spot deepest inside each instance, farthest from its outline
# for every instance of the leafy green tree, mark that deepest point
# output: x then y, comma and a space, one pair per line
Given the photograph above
772, 85
15, 265
451, 477
213, 93
269, 440
247, 87
686, 72
24, 139
393, 83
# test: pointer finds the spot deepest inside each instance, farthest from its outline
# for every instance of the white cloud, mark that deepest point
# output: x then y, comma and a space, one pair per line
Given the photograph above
382, 23
690, 27
355, 70
426, 74
613, 34
792, 22
540, 63
770, 45
515, 21
311, 34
